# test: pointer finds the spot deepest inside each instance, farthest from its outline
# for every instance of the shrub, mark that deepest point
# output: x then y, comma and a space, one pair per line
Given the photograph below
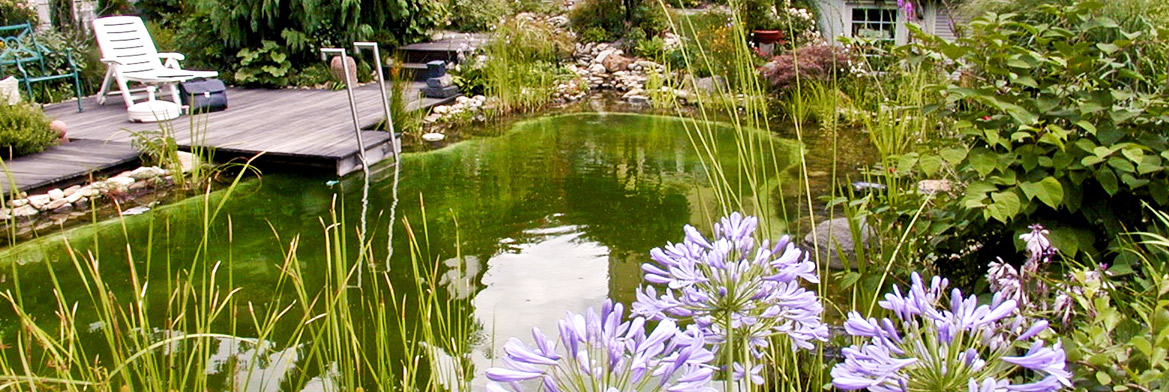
478, 15
264, 66
595, 34
300, 28
24, 130
1063, 123
820, 62
17, 11
609, 16
653, 48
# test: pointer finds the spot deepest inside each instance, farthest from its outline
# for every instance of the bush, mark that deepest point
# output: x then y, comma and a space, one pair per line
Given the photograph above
609, 16
17, 11
820, 62
595, 34
216, 29
1063, 123
24, 130
653, 48
478, 15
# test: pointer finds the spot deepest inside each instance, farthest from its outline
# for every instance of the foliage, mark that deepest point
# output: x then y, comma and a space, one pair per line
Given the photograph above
594, 34
468, 76
1063, 123
653, 48
311, 75
609, 17
24, 130
522, 62
17, 11
300, 28
821, 62
709, 44
478, 15
264, 66
794, 21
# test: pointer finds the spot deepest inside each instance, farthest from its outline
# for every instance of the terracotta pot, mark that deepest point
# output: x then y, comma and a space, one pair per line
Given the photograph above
768, 36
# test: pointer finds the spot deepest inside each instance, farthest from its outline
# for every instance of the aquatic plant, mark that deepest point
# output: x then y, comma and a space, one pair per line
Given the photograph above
965, 347
739, 293
605, 353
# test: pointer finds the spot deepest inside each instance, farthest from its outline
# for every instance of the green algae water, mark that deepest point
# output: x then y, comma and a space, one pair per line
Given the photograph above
555, 215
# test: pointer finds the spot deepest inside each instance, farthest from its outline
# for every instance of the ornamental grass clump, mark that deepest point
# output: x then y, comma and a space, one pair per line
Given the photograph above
738, 292
965, 347
603, 352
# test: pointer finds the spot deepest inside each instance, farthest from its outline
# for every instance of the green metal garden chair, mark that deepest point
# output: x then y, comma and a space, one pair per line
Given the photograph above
23, 57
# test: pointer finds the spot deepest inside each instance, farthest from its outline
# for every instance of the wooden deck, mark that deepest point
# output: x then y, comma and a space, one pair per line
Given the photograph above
290, 126
63, 164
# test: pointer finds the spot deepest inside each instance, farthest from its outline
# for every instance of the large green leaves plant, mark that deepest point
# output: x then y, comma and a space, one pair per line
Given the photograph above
1063, 114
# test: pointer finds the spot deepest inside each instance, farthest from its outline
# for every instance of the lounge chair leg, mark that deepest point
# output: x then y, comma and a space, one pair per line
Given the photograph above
105, 87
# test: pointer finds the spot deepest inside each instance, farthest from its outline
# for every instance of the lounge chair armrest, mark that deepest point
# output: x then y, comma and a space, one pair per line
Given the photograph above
171, 59
105, 60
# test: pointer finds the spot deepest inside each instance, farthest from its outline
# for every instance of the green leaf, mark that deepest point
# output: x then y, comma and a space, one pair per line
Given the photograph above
1047, 190
1160, 192
983, 161
930, 164
1026, 81
1108, 48
1107, 180
1005, 206
1087, 126
953, 155
1133, 182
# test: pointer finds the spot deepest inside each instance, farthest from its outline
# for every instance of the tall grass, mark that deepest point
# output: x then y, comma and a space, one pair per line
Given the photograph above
521, 69
323, 331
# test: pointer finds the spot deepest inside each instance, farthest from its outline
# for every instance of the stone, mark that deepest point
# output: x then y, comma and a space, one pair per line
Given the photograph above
138, 185
435, 69
638, 100
930, 187
710, 84
5, 214
439, 82
145, 172
441, 109
89, 191
597, 69
863, 186
82, 204
633, 92
64, 208
25, 211
834, 233
342, 69
74, 197
55, 204
38, 201
17, 203
433, 137
444, 92
56, 194
187, 161
120, 182
71, 190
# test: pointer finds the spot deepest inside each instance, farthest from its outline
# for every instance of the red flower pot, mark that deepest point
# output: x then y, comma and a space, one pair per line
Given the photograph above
768, 36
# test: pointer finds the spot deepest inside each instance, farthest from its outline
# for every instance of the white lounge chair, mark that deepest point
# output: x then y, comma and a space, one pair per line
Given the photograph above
130, 56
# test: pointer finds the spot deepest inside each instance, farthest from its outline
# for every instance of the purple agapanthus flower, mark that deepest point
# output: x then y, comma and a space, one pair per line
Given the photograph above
733, 287
938, 345
603, 352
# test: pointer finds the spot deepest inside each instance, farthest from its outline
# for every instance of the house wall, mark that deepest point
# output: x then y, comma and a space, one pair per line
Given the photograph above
835, 18
84, 11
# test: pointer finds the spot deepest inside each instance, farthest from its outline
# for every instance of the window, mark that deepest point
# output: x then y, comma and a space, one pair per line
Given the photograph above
874, 23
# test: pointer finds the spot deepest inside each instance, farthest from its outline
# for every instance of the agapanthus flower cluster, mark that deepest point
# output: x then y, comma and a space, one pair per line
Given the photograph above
1024, 284
602, 352
938, 345
736, 290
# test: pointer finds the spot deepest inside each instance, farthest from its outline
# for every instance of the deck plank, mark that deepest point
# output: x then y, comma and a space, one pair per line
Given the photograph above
310, 124
57, 164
